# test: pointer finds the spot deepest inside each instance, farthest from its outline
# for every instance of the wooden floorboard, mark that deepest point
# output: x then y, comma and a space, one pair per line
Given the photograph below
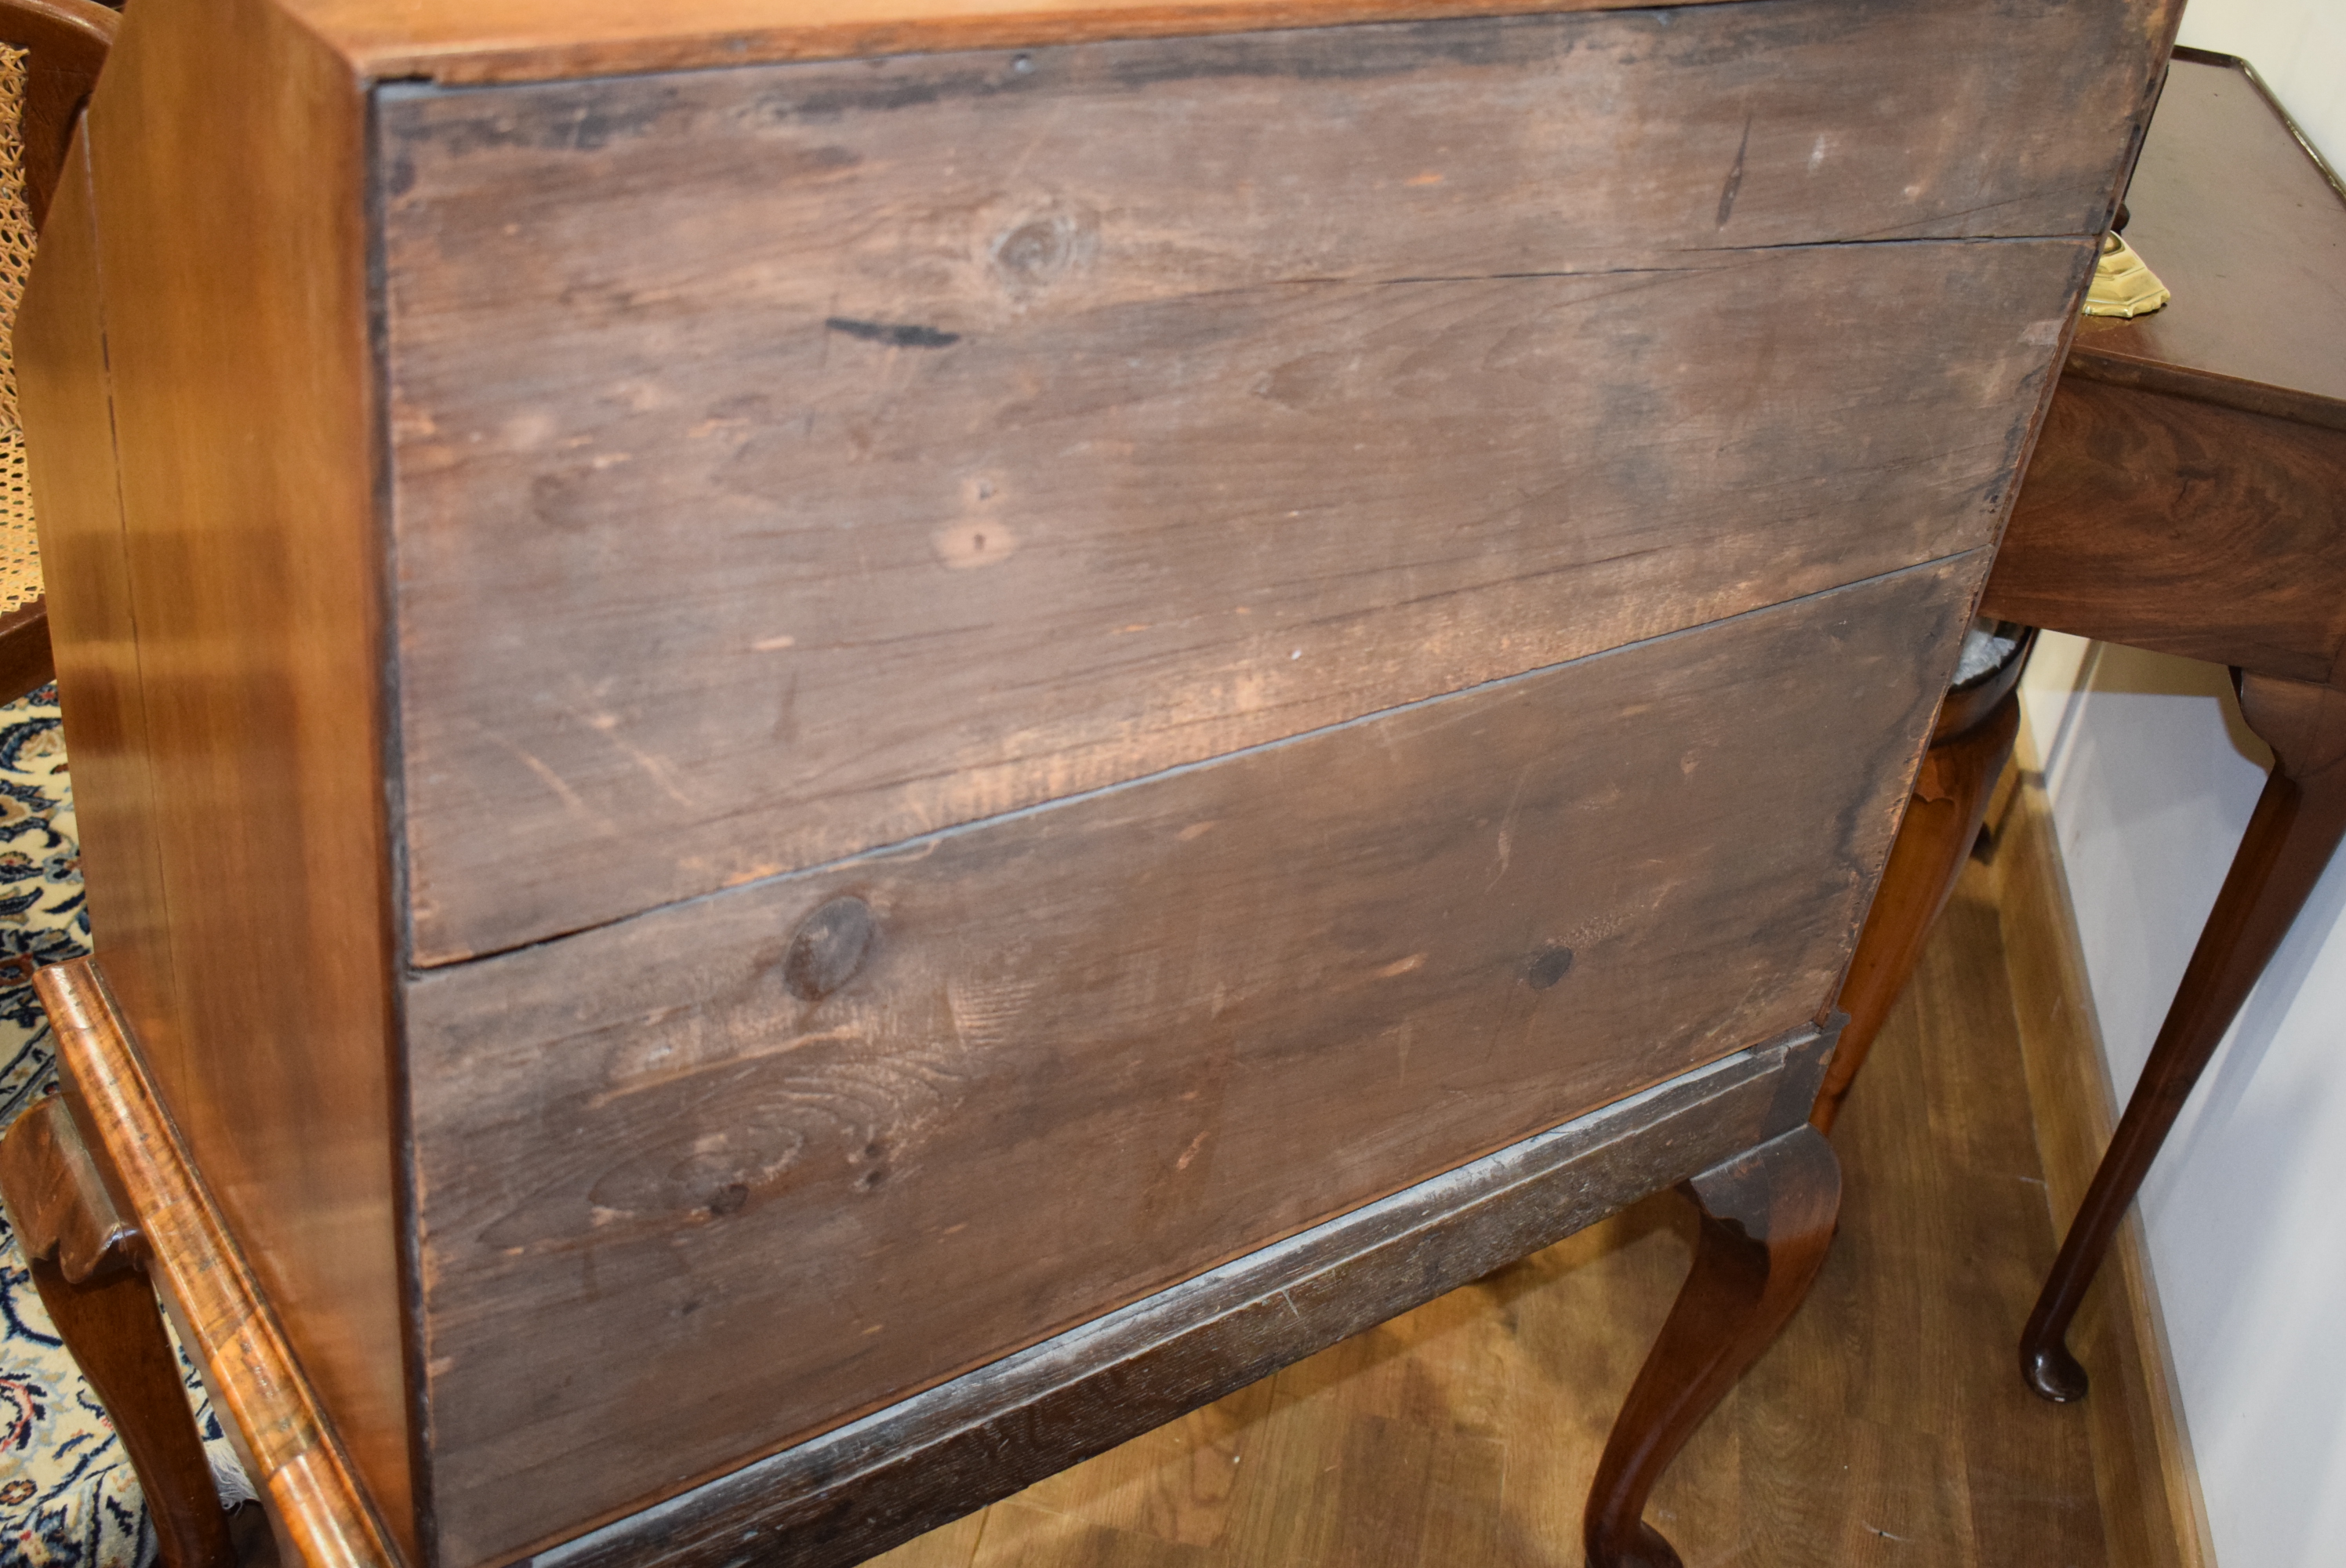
1888, 1426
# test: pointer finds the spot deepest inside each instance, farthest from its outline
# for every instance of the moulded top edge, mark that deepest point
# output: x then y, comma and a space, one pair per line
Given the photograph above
490, 41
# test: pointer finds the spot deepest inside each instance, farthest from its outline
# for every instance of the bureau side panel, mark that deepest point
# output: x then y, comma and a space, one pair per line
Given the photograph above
226, 160
790, 459
68, 407
706, 1179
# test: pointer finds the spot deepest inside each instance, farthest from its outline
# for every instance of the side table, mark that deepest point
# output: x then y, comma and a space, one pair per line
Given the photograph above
2187, 494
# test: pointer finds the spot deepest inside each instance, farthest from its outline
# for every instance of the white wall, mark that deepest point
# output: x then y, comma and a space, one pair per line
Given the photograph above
2298, 46
2152, 778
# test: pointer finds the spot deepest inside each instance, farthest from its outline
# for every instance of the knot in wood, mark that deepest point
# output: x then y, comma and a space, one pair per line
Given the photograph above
1044, 245
1548, 965
828, 949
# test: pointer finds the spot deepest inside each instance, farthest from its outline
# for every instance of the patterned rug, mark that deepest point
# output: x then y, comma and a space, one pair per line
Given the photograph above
67, 1496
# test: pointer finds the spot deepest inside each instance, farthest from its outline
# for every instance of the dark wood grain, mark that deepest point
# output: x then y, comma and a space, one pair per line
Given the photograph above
2250, 236
241, 887
85, 1255
1320, 971
2185, 493
866, 1486
1140, 467
2176, 524
2297, 826
25, 662
1767, 1220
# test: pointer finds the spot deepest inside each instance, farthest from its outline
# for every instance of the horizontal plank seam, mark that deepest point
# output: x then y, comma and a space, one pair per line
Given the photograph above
939, 835
1860, 242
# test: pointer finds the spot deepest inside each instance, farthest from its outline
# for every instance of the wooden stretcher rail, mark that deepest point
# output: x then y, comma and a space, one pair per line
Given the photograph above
202, 1276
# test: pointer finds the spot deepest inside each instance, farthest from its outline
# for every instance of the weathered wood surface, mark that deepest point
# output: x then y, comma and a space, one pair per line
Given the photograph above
249, 907
1093, 1049
1885, 1427
219, 665
867, 1485
1250, 586
1118, 406
265, 1391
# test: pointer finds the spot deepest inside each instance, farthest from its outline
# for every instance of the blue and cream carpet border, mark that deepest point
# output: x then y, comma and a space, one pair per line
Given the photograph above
67, 1496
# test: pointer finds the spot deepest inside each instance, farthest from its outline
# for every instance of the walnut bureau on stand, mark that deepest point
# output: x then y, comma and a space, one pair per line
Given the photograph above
826, 752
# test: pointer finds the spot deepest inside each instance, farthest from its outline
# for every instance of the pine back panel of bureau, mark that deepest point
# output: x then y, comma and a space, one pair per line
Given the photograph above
755, 729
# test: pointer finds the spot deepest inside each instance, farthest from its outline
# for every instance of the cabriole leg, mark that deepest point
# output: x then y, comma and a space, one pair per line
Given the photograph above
1767, 1221
2297, 823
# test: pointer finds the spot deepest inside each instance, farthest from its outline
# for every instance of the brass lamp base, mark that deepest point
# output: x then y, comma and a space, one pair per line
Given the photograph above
2122, 285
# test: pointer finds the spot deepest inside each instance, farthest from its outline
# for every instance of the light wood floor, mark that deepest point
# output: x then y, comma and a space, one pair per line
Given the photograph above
1888, 1426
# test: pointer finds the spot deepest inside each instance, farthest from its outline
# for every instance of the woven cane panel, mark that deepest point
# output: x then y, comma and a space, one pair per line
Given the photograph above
20, 551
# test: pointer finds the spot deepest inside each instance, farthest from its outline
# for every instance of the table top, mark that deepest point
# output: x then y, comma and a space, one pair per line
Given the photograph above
2247, 228
529, 40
